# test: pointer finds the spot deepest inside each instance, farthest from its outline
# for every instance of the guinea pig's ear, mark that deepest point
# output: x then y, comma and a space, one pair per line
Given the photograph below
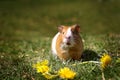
60, 28
77, 27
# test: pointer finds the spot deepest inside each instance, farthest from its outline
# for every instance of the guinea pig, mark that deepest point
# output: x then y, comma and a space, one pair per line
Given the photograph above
67, 43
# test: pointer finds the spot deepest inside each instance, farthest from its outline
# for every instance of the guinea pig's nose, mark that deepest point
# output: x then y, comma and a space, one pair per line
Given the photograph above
68, 37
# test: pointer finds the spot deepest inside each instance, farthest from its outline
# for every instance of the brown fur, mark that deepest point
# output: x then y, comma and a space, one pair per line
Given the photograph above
74, 52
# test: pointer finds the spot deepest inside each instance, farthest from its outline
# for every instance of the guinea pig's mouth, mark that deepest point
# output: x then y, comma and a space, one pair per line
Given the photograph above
68, 43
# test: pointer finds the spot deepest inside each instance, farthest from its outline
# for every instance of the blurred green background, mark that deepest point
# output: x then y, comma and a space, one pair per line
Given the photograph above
40, 18
28, 26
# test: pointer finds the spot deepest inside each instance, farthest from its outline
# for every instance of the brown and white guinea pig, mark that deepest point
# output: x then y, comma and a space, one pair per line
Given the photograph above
67, 43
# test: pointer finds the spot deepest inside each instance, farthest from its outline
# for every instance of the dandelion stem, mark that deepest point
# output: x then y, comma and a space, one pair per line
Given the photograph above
103, 77
90, 62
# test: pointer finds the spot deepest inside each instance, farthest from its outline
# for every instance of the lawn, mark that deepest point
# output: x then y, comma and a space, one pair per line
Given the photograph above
27, 28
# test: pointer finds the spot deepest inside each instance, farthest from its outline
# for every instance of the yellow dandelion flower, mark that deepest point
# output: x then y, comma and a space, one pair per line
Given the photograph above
42, 69
41, 66
45, 62
66, 73
36, 65
105, 60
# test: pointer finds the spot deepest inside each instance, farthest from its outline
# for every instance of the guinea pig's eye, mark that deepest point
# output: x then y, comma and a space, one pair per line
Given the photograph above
74, 32
62, 32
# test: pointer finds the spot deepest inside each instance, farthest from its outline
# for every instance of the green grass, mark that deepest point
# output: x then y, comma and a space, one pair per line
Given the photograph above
27, 28
18, 56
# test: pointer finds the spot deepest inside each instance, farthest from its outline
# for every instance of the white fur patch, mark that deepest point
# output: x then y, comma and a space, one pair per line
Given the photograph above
69, 34
54, 44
